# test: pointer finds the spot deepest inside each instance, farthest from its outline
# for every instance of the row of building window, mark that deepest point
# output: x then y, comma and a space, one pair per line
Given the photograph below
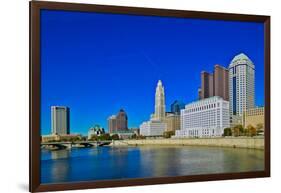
205, 107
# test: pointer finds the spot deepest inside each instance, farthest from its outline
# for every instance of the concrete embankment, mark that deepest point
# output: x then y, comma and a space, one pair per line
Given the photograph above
235, 142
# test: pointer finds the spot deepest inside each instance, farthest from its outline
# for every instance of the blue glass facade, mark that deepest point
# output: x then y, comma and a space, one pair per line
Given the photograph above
234, 95
177, 106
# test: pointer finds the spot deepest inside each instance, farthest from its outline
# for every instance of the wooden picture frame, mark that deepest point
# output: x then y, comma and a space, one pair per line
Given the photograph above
35, 94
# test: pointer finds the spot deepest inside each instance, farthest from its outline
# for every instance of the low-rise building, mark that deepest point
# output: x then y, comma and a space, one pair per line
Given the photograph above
254, 117
123, 134
96, 130
55, 137
173, 122
153, 128
204, 118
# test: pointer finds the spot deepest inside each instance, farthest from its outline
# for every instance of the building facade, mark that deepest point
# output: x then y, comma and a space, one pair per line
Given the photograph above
204, 118
118, 122
122, 120
96, 130
111, 123
241, 87
52, 138
159, 107
60, 120
254, 117
176, 107
207, 85
156, 126
153, 128
173, 121
221, 85
214, 84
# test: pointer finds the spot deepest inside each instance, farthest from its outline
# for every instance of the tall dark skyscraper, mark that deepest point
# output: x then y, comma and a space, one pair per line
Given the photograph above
118, 122
176, 107
207, 85
221, 82
215, 84
122, 120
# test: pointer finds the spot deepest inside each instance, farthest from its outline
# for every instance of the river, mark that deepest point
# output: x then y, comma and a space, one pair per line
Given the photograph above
101, 163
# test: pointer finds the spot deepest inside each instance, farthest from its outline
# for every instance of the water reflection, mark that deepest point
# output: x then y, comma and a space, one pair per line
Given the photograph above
89, 164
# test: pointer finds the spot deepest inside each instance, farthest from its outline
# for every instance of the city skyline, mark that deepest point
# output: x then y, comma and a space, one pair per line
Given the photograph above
102, 86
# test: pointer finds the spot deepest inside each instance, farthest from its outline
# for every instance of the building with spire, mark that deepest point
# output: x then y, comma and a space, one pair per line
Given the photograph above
159, 107
156, 125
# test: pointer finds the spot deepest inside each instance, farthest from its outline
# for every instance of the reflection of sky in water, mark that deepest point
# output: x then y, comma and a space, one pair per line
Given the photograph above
88, 164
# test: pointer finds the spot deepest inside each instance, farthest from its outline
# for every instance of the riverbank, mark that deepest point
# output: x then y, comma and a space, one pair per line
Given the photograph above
234, 142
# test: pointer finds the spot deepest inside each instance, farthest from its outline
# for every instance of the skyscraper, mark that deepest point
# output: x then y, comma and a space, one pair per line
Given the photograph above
160, 108
60, 120
215, 84
221, 85
118, 122
156, 125
176, 107
122, 120
207, 85
241, 85
111, 122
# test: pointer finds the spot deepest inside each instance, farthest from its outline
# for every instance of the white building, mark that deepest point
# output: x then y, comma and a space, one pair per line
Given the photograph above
152, 128
204, 118
241, 86
96, 130
160, 107
156, 126
60, 120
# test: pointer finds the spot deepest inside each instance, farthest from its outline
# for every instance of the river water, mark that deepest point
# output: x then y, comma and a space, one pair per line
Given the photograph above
100, 163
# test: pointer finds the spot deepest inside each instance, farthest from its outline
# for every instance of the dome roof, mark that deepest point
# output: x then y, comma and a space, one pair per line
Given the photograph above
240, 57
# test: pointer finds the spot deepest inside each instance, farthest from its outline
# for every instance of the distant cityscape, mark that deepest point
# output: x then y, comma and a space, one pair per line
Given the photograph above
225, 107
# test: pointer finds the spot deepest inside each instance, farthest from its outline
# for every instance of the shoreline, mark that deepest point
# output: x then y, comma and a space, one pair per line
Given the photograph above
235, 142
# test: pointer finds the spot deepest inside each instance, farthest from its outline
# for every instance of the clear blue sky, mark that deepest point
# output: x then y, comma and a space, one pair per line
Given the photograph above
98, 63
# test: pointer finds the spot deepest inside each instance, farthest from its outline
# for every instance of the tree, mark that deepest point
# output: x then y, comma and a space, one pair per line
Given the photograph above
134, 136
140, 137
238, 130
259, 128
227, 132
104, 137
115, 137
168, 134
94, 138
252, 131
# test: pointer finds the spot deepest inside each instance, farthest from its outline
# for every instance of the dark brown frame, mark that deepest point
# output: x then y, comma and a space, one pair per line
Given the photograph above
34, 100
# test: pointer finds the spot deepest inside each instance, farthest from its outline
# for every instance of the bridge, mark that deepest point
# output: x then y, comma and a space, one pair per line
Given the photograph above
69, 145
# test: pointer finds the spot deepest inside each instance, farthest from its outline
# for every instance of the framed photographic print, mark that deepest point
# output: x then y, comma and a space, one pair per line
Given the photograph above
123, 96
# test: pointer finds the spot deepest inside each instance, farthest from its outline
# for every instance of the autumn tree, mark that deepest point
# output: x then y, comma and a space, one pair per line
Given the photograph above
252, 131
168, 134
238, 130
